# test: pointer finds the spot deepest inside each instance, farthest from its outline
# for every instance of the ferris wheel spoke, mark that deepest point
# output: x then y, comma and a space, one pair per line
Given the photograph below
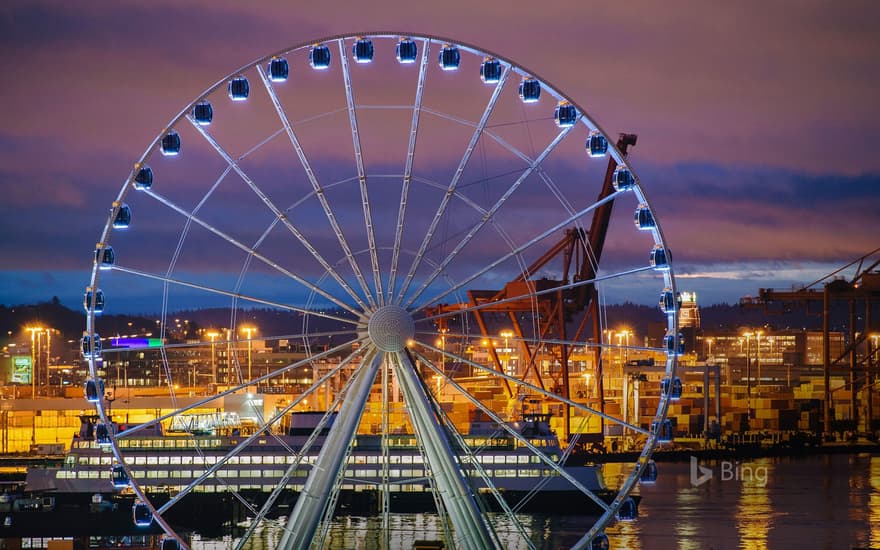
534, 388
471, 458
282, 216
256, 435
250, 250
548, 291
453, 184
199, 344
458, 498
489, 215
316, 186
509, 147
318, 190
303, 450
528, 244
237, 295
362, 181
238, 388
311, 503
486, 131
516, 435
407, 172
458, 195
551, 342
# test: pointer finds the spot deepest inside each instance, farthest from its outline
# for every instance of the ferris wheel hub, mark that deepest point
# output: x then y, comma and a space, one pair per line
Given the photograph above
390, 328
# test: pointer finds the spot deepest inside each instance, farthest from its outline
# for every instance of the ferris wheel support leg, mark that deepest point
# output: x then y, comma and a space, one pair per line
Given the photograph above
473, 531
309, 509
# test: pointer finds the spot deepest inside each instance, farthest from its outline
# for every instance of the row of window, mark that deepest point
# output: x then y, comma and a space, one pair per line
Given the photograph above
510, 472
351, 473
175, 474
164, 443
105, 460
392, 472
190, 443
229, 487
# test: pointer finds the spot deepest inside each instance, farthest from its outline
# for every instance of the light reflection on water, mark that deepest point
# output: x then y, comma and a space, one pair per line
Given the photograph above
874, 502
825, 502
754, 513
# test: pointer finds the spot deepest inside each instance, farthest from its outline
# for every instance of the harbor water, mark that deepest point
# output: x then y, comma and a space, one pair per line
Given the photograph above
822, 502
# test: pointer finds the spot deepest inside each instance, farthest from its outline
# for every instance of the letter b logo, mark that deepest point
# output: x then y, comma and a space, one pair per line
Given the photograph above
699, 474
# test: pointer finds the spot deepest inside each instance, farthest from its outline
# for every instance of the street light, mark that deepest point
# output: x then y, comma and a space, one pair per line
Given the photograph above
48, 355
748, 336
758, 335
623, 345
249, 331
35, 341
870, 365
506, 334
443, 332
213, 336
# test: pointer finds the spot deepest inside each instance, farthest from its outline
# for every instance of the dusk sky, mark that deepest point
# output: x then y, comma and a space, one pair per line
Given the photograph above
757, 121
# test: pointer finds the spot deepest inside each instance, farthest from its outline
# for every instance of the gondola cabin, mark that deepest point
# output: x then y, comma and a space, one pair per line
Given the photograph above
406, 50
239, 89
278, 70
319, 57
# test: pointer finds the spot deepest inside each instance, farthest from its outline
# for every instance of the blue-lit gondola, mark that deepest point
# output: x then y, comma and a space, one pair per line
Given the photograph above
87, 351
105, 257
169, 543
144, 178
239, 89
565, 114
406, 50
141, 514
449, 58
123, 217
644, 219
665, 433
203, 113
660, 258
529, 90
622, 178
600, 542
362, 50
673, 345
102, 435
119, 477
170, 145
628, 510
94, 390
673, 389
97, 297
278, 70
597, 145
649, 474
669, 302
319, 57
490, 70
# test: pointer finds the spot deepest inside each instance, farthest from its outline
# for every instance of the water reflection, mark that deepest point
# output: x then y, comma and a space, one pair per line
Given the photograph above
754, 514
624, 534
826, 502
687, 528
874, 502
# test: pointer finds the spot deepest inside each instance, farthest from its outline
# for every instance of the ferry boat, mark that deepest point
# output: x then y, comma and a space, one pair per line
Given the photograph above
163, 464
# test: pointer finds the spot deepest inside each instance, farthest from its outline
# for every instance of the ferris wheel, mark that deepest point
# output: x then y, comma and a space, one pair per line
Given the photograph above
410, 243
